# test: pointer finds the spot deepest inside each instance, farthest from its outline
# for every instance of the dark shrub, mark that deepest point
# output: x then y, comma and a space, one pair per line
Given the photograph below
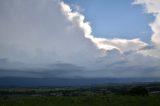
138, 90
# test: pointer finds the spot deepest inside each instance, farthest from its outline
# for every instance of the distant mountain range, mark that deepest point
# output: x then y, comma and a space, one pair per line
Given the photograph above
75, 82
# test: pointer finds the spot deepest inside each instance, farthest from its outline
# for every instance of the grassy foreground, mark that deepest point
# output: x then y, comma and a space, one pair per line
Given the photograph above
114, 100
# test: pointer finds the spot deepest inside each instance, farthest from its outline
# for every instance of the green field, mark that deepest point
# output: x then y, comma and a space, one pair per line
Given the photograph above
117, 95
113, 100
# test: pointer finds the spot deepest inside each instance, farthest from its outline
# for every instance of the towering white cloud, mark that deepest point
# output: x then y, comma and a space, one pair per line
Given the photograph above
153, 7
38, 32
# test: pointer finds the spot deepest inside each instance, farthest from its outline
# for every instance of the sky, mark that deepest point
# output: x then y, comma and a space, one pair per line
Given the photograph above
115, 18
70, 39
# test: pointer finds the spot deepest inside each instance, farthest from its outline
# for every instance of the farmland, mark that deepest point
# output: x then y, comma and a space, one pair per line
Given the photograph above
118, 95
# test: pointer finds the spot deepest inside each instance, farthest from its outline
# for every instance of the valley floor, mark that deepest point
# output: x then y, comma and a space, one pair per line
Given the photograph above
112, 100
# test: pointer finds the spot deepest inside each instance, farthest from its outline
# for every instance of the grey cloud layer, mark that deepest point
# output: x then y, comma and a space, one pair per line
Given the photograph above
47, 39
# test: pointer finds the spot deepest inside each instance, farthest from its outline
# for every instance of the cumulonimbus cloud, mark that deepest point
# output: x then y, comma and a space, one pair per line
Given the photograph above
153, 7
42, 35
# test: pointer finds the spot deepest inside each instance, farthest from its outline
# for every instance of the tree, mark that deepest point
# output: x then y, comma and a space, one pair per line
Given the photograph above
138, 90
